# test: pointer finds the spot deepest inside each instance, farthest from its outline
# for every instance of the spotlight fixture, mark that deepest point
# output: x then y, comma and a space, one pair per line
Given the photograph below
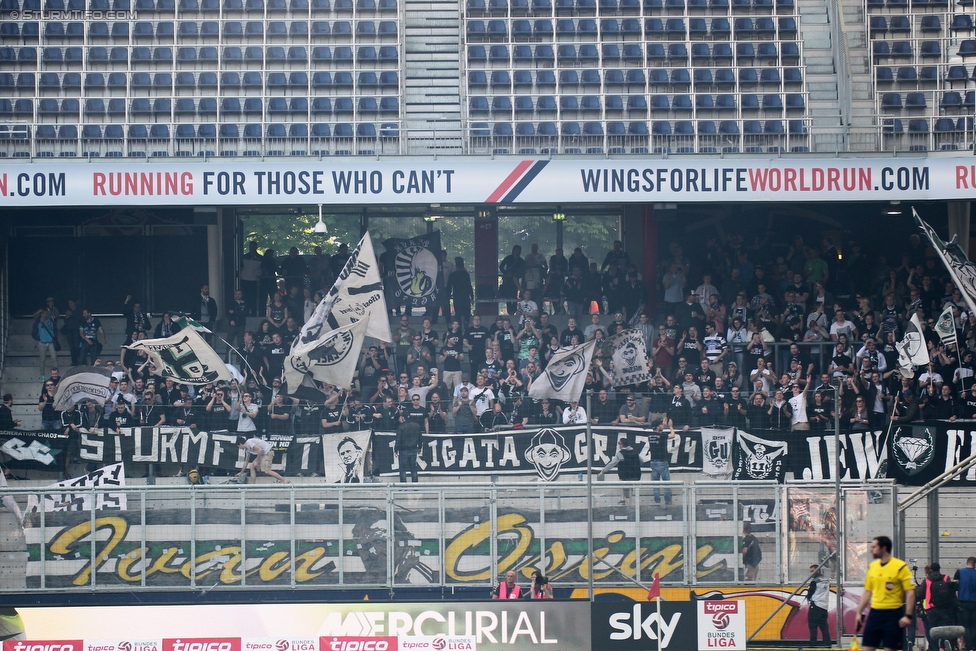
320, 228
893, 209
558, 216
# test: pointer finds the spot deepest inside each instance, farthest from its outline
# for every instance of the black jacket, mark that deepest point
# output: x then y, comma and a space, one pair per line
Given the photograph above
409, 438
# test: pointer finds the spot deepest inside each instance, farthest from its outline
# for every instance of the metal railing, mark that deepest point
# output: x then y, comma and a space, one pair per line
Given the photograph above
459, 537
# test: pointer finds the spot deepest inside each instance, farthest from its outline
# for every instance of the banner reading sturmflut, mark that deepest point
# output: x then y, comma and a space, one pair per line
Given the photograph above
629, 358
415, 269
185, 357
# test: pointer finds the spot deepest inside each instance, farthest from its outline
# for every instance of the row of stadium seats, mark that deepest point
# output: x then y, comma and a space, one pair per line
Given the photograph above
925, 24
480, 105
651, 28
168, 31
201, 132
907, 49
569, 54
916, 5
636, 128
925, 74
189, 56
625, 6
203, 6
590, 78
947, 101
163, 81
98, 108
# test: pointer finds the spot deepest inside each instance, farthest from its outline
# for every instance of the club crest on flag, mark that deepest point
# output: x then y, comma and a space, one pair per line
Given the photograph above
913, 448
415, 273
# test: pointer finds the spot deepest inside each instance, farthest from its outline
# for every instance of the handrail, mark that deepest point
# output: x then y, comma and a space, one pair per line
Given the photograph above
841, 61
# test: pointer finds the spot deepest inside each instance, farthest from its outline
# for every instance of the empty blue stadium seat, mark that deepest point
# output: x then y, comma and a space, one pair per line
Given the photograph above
140, 80
660, 103
321, 105
794, 101
389, 79
681, 103
918, 126
704, 102
749, 101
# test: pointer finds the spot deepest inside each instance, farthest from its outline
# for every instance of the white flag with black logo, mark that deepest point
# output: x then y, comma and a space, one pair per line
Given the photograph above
912, 350
945, 326
332, 358
759, 459
357, 295
963, 271
83, 383
565, 374
717, 452
345, 456
629, 358
185, 357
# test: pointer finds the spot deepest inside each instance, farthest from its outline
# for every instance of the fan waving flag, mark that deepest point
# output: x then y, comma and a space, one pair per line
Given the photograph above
83, 383
185, 357
565, 374
963, 271
415, 271
357, 295
945, 326
911, 349
332, 358
629, 358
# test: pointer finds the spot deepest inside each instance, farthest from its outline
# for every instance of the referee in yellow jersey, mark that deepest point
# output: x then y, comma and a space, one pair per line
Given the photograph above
888, 587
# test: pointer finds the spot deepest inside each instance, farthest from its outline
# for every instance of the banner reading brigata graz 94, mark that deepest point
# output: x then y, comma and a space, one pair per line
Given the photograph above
471, 180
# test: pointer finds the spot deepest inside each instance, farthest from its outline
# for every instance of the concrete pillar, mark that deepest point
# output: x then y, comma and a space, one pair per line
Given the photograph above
486, 262
959, 223
649, 248
215, 260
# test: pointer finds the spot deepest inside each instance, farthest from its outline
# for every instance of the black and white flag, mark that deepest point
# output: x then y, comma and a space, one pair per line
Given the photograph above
963, 271
629, 358
912, 350
913, 448
332, 358
415, 269
565, 374
759, 459
66, 500
717, 452
345, 456
357, 295
945, 326
185, 357
83, 383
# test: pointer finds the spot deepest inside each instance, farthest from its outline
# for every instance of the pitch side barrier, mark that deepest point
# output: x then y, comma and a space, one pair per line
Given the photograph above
683, 620
485, 181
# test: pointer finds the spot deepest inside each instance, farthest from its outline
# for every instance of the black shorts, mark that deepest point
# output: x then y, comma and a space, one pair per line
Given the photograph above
881, 630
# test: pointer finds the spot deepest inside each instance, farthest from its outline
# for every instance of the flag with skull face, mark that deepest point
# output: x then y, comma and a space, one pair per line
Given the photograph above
629, 358
759, 459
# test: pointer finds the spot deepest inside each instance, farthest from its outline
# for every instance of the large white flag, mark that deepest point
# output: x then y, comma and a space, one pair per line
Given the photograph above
357, 295
629, 358
345, 457
717, 452
565, 374
963, 271
912, 350
185, 357
332, 358
83, 383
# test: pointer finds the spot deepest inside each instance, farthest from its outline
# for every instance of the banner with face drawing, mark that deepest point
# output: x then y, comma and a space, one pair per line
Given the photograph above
565, 374
415, 271
629, 358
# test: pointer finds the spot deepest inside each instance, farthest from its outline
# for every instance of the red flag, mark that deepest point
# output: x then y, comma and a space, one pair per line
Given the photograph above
655, 591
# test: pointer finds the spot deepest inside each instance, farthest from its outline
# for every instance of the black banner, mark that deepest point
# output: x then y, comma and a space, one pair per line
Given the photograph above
922, 451
33, 450
636, 626
549, 453
776, 455
414, 275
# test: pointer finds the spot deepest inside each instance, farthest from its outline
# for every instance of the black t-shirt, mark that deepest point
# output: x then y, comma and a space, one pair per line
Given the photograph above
331, 414
689, 350
219, 418
735, 418
567, 336
115, 420
506, 344
478, 340
451, 353
657, 445
415, 414
605, 413
679, 411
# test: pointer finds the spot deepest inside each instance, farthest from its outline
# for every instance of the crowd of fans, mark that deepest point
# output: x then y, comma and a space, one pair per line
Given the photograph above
735, 337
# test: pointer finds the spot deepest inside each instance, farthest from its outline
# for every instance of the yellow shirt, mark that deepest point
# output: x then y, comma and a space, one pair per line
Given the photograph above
888, 584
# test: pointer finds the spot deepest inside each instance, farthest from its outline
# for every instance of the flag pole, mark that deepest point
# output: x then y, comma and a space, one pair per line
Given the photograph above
589, 492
